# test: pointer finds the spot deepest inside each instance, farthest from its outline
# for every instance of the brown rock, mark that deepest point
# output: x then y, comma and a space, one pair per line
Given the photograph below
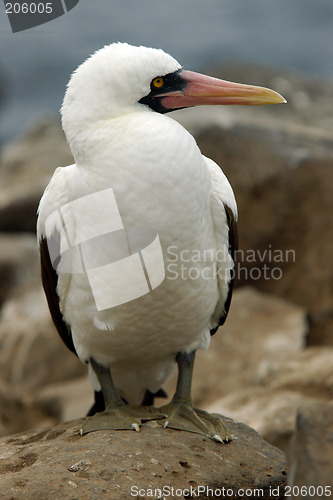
311, 452
59, 463
66, 400
19, 263
31, 352
38, 152
18, 412
271, 412
26, 167
18, 206
308, 371
306, 377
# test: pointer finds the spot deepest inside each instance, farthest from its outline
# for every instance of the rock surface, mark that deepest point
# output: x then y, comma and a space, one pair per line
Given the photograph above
271, 412
311, 451
26, 168
31, 351
270, 406
309, 371
19, 263
19, 412
66, 400
59, 463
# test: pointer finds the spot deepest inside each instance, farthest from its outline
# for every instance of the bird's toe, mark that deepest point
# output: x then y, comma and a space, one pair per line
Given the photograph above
185, 417
121, 418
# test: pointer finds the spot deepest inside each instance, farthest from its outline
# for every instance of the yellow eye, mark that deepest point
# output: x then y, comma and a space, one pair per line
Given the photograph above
158, 82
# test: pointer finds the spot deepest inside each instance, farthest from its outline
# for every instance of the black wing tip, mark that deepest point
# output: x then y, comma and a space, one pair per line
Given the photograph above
50, 281
233, 246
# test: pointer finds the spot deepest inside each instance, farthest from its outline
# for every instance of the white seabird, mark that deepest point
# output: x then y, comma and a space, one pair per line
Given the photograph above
137, 237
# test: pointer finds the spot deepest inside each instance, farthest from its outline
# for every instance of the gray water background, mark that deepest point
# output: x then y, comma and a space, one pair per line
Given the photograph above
35, 65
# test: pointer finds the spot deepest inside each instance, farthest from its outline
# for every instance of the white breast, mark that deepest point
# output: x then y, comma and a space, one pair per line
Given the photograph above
163, 184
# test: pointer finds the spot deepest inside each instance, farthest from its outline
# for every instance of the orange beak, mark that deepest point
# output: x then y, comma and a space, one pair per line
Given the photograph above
201, 89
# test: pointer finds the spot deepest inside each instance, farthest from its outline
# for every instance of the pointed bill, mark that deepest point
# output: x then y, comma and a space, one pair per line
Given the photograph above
205, 90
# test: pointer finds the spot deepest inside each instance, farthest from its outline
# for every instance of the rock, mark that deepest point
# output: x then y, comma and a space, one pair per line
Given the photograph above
27, 165
308, 371
19, 263
18, 206
311, 451
31, 352
18, 412
261, 333
271, 412
37, 153
66, 400
270, 407
59, 463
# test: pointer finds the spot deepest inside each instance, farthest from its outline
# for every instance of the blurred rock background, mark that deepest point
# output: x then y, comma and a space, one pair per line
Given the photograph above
274, 354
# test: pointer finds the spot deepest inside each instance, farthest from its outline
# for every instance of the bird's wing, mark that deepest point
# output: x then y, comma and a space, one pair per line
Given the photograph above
224, 212
48, 233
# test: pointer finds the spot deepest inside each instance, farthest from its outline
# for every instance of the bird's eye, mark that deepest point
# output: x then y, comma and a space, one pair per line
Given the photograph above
158, 82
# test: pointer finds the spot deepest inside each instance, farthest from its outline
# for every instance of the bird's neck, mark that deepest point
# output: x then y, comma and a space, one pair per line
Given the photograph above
124, 142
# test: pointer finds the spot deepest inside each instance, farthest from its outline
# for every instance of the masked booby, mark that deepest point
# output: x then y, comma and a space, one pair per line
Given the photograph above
116, 229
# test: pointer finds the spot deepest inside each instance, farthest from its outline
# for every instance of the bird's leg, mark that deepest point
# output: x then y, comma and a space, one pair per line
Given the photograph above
181, 413
117, 415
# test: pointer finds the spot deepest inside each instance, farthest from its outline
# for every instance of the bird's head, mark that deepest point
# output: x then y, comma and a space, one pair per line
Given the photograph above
120, 78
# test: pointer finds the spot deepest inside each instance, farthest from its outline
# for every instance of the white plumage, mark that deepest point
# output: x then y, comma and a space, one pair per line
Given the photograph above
160, 180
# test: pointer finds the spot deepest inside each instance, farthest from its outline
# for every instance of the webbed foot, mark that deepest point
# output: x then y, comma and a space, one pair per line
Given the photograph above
121, 417
185, 417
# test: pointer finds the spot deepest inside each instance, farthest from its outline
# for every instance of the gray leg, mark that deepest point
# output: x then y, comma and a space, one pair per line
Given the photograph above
180, 411
117, 414
110, 393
